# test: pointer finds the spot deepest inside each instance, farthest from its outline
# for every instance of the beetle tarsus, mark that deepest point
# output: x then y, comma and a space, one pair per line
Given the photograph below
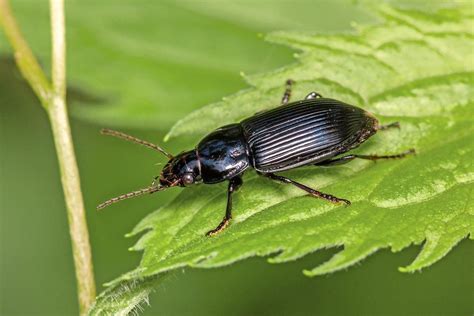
329, 197
286, 96
222, 225
341, 201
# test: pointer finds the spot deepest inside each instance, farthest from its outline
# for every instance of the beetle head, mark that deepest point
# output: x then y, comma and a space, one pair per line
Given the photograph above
182, 170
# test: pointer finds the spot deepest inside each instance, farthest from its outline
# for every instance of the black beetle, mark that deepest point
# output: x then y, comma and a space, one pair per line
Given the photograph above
308, 132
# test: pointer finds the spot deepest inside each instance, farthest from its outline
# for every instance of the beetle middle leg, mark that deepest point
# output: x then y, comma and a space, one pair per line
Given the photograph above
234, 184
286, 96
313, 192
346, 159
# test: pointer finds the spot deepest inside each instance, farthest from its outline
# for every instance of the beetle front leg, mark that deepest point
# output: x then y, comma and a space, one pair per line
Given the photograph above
313, 192
286, 96
234, 184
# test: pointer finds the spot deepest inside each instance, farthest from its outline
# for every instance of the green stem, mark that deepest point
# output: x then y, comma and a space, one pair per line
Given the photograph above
24, 57
53, 99
58, 56
67, 162
74, 203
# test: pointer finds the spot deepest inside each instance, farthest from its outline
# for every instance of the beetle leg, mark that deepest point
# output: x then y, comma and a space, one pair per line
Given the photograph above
286, 96
387, 126
346, 159
313, 192
234, 184
313, 95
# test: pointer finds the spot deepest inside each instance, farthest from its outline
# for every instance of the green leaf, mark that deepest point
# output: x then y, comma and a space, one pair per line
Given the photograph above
416, 68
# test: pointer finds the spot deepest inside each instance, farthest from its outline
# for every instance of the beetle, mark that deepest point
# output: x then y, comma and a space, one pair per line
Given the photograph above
314, 131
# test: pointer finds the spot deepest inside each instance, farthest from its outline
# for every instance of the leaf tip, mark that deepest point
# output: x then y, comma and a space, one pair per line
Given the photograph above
309, 273
405, 269
168, 136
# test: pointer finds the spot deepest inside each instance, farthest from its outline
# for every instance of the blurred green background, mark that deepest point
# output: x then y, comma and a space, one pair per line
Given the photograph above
142, 65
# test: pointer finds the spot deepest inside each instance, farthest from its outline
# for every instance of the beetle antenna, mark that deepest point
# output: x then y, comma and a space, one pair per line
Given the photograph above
151, 189
106, 131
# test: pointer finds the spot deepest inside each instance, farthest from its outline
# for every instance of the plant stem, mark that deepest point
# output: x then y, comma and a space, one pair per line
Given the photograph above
58, 56
53, 99
74, 203
67, 162
24, 57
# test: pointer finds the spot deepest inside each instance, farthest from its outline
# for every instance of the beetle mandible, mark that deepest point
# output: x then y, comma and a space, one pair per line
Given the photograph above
313, 131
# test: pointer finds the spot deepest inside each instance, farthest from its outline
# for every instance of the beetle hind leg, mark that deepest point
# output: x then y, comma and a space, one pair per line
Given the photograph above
234, 184
312, 192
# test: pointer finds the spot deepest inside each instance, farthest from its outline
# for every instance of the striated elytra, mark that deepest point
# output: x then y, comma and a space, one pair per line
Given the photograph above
314, 131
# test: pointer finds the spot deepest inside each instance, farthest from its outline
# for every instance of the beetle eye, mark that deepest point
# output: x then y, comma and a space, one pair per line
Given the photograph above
188, 179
